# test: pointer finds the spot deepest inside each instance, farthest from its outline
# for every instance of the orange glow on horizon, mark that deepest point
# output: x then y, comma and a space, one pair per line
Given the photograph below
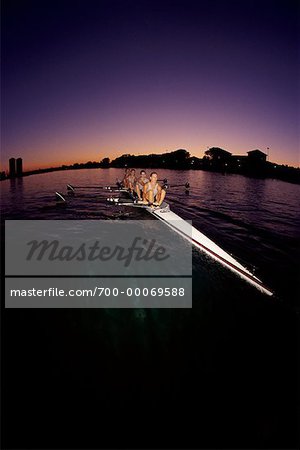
81, 155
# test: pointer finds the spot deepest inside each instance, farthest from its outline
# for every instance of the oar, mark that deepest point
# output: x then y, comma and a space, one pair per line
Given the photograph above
186, 185
83, 187
60, 198
72, 188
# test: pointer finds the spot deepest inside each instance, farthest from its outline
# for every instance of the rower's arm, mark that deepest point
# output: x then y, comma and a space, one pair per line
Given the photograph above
161, 194
131, 184
145, 191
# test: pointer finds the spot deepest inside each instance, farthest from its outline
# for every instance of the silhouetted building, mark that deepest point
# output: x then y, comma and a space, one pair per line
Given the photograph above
216, 159
239, 158
19, 166
12, 167
238, 162
217, 154
257, 156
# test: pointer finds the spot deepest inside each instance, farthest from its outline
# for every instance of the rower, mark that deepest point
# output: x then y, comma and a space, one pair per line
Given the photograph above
125, 179
153, 193
139, 187
131, 180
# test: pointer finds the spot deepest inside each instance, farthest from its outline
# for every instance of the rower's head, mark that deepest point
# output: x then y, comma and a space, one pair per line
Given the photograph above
132, 171
142, 173
153, 176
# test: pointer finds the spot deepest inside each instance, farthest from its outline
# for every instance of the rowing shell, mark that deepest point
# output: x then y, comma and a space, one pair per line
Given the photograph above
200, 241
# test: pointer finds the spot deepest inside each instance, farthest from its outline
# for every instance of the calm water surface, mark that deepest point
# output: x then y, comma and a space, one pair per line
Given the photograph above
219, 375
256, 220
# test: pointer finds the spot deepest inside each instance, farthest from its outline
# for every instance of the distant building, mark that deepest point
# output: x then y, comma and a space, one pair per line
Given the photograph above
238, 161
217, 154
257, 156
19, 166
239, 158
12, 167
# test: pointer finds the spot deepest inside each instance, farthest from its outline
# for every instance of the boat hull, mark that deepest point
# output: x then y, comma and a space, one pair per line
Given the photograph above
199, 240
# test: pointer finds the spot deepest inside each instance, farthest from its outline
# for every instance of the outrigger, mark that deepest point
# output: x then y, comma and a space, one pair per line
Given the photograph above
188, 232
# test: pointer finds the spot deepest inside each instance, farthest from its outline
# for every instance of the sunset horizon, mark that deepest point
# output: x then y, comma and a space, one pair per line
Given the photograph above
97, 156
102, 79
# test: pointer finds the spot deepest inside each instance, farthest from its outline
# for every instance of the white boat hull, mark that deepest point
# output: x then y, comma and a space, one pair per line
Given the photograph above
206, 245
199, 240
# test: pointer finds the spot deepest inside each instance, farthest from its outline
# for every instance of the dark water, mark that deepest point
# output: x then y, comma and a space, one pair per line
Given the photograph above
220, 375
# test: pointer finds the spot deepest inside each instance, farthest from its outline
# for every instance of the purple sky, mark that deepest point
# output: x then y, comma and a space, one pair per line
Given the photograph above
86, 79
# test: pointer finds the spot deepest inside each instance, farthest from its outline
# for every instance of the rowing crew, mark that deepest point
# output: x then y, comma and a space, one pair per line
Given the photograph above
148, 191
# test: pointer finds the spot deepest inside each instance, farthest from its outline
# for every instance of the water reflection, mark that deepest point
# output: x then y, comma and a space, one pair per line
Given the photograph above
255, 191
255, 219
14, 197
16, 185
212, 195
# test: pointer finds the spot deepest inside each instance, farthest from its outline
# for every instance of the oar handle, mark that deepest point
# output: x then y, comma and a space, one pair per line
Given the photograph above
70, 187
186, 185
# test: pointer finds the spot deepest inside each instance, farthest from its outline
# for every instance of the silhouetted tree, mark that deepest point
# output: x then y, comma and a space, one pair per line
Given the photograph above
105, 162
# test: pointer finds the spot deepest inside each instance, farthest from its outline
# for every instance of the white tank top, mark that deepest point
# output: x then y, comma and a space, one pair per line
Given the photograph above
155, 189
